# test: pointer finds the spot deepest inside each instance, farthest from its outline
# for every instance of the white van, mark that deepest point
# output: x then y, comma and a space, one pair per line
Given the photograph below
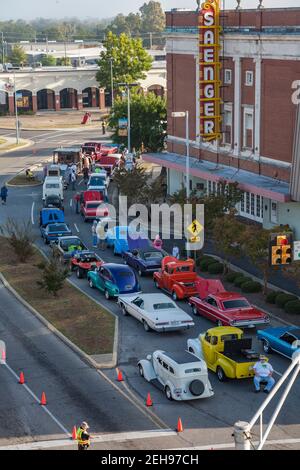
181, 375
53, 186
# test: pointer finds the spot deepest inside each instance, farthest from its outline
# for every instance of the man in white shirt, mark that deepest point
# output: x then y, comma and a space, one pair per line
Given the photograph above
263, 373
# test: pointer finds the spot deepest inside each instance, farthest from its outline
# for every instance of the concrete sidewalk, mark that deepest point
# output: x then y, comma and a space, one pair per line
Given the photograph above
10, 144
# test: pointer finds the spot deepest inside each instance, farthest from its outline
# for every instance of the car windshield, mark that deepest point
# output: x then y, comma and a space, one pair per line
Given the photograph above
229, 337
57, 228
238, 303
52, 185
153, 255
192, 371
163, 306
97, 181
70, 241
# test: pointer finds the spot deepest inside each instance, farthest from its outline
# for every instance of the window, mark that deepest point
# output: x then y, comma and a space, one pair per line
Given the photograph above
227, 124
163, 306
228, 76
165, 366
207, 337
249, 78
248, 128
251, 206
239, 303
274, 212
288, 338
192, 371
211, 302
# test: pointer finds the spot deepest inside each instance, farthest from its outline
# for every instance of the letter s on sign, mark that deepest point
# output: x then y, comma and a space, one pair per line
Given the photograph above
209, 18
296, 94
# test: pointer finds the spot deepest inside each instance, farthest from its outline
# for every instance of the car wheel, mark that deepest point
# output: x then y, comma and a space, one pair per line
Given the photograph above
266, 346
79, 273
221, 374
219, 323
146, 326
168, 393
141, 371
106, 293
91, 284
124, 311
174, 296
194, 310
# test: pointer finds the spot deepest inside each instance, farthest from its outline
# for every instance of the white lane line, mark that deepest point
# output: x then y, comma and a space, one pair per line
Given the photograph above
278, 373
81, 181
38, 401
32, 209
76, 228
71, 202
118, 437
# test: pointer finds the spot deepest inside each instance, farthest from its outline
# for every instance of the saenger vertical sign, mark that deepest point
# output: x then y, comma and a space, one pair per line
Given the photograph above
209, 61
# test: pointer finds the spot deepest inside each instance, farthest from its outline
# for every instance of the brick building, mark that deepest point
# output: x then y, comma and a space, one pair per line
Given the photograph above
260, 144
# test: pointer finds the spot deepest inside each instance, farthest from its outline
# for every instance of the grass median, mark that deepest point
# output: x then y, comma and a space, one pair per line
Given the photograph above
79, 318
23, 180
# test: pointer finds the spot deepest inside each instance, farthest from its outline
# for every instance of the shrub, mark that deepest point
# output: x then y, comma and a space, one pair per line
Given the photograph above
241, 280
271, 297
215, 268
53, 276
282, 299
205, 262
251, 287
293, 306
230, 277
20, 237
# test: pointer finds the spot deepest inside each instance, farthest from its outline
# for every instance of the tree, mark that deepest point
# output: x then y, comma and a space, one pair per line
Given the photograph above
61, 61
48, 60
17, 56
130, 60
228, 235
256, 248
148, 121
153, 17
131, 183
53, 276
20, 238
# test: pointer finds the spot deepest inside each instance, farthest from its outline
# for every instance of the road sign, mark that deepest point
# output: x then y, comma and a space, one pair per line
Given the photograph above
194, 240
122, 132
297, 251
123, 123
195, 228
178, 114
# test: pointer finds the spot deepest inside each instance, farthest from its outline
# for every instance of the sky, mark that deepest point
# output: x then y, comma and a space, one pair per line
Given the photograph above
30, 9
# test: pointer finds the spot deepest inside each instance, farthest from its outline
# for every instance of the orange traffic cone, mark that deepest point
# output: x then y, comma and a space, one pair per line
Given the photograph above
22, 378
43, 399
120, 376
149, 401
179, 426
74, 433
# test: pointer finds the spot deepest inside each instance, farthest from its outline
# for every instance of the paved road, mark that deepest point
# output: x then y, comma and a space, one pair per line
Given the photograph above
207, 421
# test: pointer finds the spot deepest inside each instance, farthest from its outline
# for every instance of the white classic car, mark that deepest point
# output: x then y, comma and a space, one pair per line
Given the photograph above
156, 311
179, 374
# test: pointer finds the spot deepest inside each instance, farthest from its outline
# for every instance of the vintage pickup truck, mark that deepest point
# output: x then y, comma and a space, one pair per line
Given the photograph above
225, 352
179, 279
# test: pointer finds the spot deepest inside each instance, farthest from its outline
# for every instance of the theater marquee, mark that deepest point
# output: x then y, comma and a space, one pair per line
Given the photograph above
209, 61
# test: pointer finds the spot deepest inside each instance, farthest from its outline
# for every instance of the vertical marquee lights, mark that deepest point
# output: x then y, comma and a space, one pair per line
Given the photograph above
209, 62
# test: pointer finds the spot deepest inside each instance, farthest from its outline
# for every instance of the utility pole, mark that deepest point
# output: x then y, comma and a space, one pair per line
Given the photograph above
112, 81
128, 86
16, 111
2, 47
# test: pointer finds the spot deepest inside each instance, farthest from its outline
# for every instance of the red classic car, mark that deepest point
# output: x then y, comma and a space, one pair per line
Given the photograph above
92, 205
228, 309
85, 261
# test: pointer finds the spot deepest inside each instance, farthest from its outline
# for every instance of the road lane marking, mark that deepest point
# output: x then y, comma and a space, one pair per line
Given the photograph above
71, 202
38, 401
81, 181
32, 209
278, 373
76, 228
117, 437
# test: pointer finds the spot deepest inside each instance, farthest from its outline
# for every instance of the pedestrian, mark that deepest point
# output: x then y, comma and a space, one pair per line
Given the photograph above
263, 373
3, 194
74, 168
94, 234
77, 201
176, 252
103, 128
85, 173
157, 242
83, 437
73, 180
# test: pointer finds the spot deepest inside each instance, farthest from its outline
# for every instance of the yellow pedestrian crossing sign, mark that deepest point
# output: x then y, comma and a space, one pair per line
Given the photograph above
194, 239
195, 228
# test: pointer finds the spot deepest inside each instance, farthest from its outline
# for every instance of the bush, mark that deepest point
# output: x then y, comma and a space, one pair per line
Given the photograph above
230, 277
20, 237
215, 268
205, 262
241, 280
251, 287
271, 297
293, 306
282, 299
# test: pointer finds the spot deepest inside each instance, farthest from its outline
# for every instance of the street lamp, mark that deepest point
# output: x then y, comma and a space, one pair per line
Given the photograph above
128, 86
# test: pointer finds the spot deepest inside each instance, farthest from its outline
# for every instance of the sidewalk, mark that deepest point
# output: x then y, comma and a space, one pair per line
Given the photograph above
10, 144
45, 120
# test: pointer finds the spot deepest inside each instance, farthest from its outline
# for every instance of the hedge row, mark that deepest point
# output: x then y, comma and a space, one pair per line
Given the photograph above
290, 303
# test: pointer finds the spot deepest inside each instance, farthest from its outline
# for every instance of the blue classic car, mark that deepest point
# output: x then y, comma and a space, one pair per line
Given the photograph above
121, 239
113, 279
52, 232
284, 340
144, 260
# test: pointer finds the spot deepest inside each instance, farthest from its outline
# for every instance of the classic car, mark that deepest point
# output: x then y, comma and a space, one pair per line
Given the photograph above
228, 309
144, 260
85, 261
225, 352
179, 374
121, 239
156, 312
53, 201
51, 215
177, 277
114, 280
52, 232
97, 181
66, 247
284, 340
92, 210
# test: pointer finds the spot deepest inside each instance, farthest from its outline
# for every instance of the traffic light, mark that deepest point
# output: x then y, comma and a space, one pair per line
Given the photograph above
281, 249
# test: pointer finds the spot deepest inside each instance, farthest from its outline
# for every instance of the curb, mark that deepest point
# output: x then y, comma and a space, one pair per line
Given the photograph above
20, 147
22, 185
